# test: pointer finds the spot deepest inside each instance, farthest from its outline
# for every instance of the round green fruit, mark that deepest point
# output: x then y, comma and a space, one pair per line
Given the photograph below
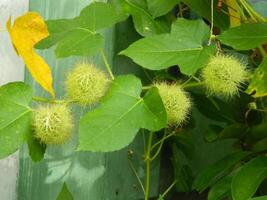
86, 84
53, 124
224, 76
176, 102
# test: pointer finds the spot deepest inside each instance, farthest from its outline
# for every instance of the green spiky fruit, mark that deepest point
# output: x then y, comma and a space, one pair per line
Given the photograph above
53, 124
86, 84
176, 102
224, 75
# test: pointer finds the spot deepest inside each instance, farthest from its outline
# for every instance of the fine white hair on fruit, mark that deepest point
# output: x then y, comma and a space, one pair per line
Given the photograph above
176, 102
86, 84
224, 75
53, 124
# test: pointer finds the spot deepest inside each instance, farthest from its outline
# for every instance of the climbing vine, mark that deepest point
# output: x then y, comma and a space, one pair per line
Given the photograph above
213, 63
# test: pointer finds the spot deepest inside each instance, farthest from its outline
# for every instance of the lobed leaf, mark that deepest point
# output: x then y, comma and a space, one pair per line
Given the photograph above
246, 36
122, 112
161, 7
79, 36
144, 23
15, 117
183, 46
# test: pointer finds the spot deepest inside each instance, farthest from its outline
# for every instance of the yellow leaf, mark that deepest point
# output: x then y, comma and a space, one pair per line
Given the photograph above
28, 30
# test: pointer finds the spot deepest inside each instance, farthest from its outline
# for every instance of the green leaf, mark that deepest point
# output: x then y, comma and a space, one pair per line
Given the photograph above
182, 172
203, 8
36, 150
80, 43
214, 172
15, 116
221, 189
161, 7
260, 145
246, 36
57, 30
212, 133
91, 17
259, 198
249, 178
213, 108
65, 194
114, 124
258, 83
144, 23
79, 36
235, 130
160, 197
183, 46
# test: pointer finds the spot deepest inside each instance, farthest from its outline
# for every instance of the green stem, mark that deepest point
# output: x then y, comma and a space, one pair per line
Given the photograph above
165, 137
136, 175
211, 23
168, 189
41, 99
147, 87
148, 165
192, 85
262, 51
107, 65
260, 110
44, 100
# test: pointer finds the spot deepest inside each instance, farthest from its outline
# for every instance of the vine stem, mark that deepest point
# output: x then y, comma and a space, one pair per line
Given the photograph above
44, 100
262, 51
168, 189
107, 65
211, 23
148, 165
136, 175
192, 85
147, 87
165, 137
41, 99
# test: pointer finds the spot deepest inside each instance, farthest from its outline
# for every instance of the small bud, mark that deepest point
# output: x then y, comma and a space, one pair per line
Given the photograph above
53, 124
176, 101
86, 84
224, 75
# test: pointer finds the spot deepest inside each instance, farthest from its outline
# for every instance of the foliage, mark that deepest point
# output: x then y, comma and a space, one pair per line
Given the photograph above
184, 47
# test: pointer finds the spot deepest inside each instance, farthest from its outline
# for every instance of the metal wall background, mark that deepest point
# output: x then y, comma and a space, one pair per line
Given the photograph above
11, 69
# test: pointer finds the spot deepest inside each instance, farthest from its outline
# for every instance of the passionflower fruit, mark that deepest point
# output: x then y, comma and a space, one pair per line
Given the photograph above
176, 102
53, 124
86, 84
224, 76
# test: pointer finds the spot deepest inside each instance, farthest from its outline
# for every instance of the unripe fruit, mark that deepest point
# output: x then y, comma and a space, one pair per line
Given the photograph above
224, 75
176, 102
86, 84
53, 124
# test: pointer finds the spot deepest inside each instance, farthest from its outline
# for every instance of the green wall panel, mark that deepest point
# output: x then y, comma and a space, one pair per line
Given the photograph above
90, 176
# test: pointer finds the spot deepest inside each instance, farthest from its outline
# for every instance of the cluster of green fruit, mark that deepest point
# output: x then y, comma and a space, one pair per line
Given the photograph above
86, 85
